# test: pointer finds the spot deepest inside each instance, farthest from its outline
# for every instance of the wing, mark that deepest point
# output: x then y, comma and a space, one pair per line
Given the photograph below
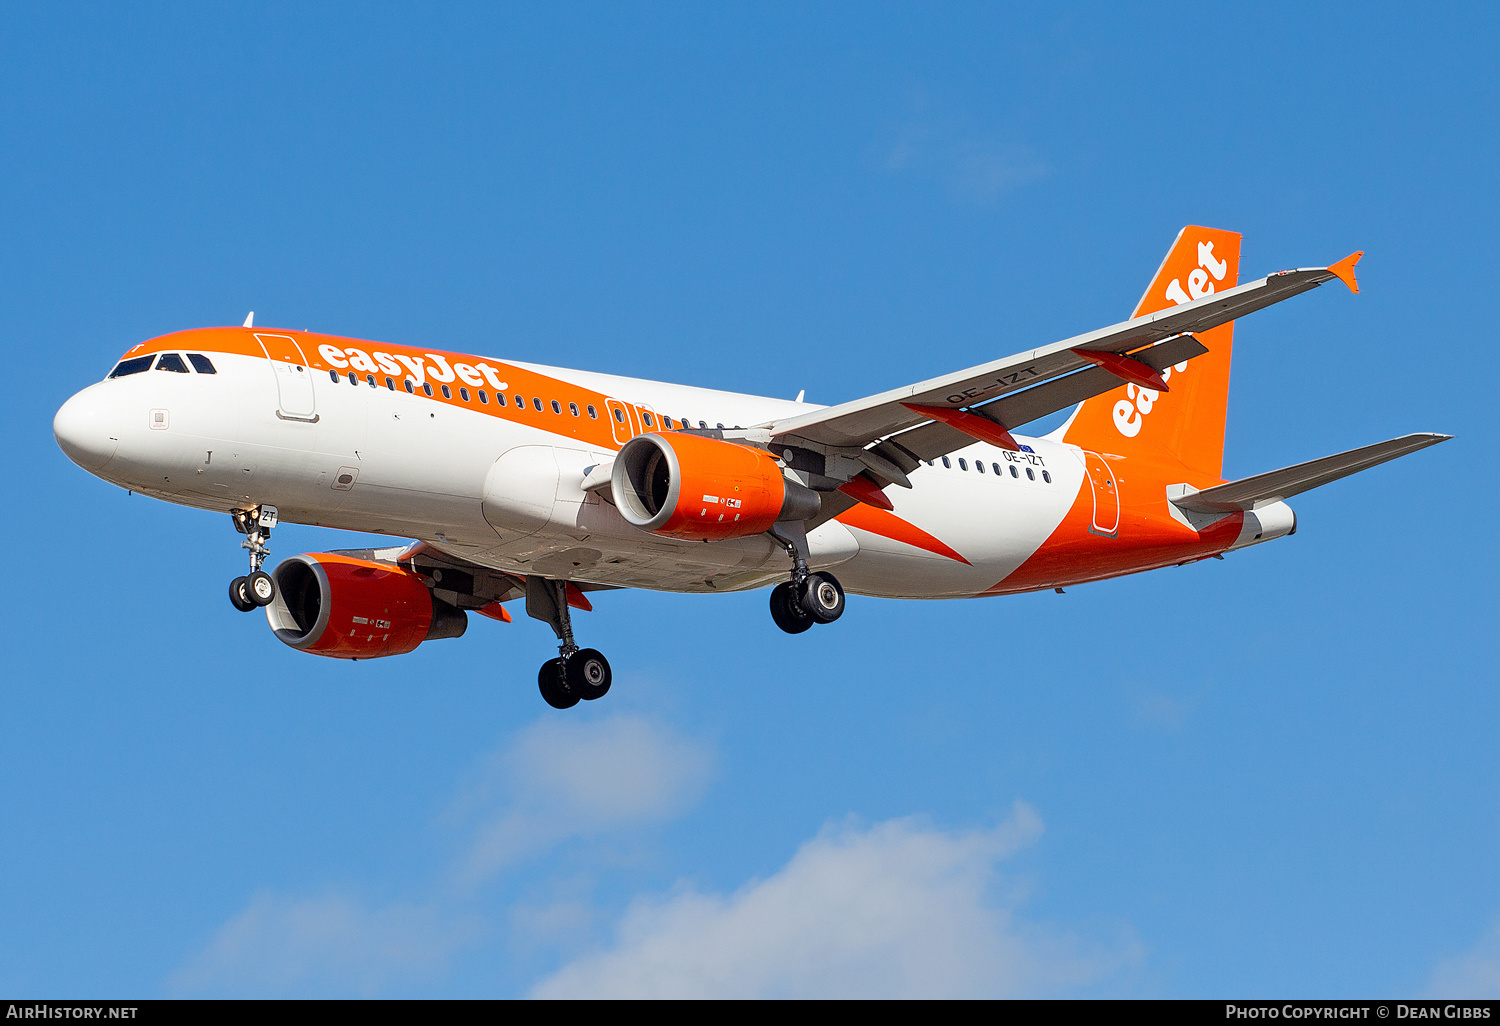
1273, 486
461, 583
1021, 388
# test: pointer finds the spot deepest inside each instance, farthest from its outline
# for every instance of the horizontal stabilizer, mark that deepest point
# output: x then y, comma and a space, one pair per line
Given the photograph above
1264, 489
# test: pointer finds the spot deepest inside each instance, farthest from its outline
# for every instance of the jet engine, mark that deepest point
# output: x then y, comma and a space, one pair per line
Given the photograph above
704, 489
347, 608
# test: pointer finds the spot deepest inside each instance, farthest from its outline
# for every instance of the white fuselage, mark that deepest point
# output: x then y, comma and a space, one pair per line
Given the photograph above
504, 492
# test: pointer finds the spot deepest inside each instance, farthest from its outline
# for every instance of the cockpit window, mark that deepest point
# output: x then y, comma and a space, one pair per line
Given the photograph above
201, 363
171, 362
132, 366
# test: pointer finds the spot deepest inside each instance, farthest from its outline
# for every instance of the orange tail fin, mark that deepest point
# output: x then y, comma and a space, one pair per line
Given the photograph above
1186, 423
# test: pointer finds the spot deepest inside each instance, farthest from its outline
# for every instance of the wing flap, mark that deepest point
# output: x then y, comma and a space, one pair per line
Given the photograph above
1276, 485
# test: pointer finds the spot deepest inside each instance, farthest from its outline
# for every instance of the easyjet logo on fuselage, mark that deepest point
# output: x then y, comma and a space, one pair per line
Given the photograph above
419, 368
1130, 412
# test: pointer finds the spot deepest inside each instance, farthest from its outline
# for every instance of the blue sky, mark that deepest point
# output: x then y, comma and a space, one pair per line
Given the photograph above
1271, 775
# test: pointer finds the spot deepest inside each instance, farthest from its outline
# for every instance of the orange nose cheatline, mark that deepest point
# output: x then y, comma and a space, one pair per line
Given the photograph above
87, 429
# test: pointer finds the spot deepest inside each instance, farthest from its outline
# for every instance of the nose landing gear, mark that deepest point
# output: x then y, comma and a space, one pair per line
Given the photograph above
256, 588
577, 674
807, 598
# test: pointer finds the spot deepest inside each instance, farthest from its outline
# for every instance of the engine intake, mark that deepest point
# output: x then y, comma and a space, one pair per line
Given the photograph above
704, 489
349, 608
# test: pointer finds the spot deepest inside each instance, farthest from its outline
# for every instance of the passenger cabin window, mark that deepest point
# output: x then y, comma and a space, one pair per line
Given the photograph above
593, 413
499, 398
370, 380
409, 388
427, 387
131, 366
996, 468
1013, 471
556, 406
963, 464
703, 424
1046, 477
979, 466
520, 403
171, 362
447, 392
201, 363
484, 397
573, 409
390, 384
353, 378
463, 393
946, 463
333, 376
1031, 473
537, 403
667, 423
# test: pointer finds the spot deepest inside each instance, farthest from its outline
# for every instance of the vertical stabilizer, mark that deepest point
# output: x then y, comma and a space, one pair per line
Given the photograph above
1186, 423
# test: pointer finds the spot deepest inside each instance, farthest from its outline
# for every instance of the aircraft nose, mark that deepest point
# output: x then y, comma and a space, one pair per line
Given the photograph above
86, 430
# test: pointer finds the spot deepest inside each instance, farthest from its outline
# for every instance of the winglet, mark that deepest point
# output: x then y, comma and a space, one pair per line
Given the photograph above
1344, 270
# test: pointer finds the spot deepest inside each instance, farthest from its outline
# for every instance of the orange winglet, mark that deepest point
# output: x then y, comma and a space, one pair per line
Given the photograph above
495, 611
1344, 270
971, 424
867, 492
577, 601
1126, 369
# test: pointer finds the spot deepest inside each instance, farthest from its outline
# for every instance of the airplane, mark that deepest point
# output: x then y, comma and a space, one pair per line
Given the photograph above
522, 481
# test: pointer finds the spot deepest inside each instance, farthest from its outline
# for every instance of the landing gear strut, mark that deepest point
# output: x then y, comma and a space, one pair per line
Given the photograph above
577, 673
256, 588
807, 598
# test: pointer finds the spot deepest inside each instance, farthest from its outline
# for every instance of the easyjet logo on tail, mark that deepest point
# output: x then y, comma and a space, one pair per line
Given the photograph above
1130, 412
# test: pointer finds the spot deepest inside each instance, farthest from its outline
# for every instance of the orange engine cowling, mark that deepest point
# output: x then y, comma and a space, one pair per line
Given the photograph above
348, 608
704, 489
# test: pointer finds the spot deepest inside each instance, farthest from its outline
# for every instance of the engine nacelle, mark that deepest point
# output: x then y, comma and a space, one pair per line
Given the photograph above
349, 608
704, 489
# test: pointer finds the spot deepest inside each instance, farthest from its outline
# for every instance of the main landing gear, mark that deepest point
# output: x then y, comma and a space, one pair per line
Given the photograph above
577, 674
256, 588
807, 598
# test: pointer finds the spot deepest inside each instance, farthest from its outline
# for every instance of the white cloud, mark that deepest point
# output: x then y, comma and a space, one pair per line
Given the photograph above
565, 779
896, 910
324, 946
1473, 975
556, 780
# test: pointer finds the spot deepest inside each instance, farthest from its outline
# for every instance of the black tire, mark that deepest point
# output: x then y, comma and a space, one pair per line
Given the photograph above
260, 588
588, 674
787, 611
823, 597
552, 680
239, 595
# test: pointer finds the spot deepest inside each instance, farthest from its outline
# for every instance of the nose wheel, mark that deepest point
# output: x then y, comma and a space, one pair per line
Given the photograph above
577, 674
256, 588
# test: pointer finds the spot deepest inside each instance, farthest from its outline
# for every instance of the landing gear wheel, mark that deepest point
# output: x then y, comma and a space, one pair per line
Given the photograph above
588, 674
552, 679
239, 595
823, 598
260, 588
787, 611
